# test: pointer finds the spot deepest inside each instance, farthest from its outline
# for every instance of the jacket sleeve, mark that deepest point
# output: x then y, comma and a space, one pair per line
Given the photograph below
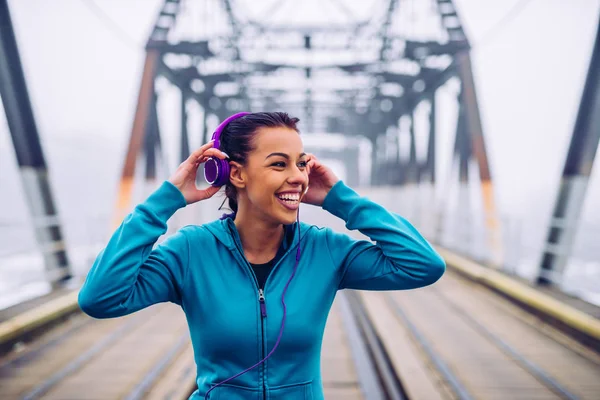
129, 274
399, 258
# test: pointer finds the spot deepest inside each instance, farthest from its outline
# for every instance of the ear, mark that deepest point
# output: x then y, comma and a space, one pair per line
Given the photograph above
237, 175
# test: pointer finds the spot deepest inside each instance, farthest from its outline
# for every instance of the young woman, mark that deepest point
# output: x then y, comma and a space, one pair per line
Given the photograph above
256, 286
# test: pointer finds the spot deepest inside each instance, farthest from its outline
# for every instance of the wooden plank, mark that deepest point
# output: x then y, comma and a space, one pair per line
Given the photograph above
179, 380
538, 342
408, 360
337, 366
19, 379
120, 367
484, 370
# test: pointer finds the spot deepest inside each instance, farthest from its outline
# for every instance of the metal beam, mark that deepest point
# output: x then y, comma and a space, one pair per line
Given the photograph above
164, 23
478, 148
385, 27
30, 156
185, 142
205, 133
151, 141
235, 28
473, 117
412, 167
141, 119
462, 146
430, 163
450, 21
576, 174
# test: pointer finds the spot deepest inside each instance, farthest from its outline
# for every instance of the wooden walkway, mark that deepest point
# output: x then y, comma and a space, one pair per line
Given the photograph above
146, 355
466, 342
453, 340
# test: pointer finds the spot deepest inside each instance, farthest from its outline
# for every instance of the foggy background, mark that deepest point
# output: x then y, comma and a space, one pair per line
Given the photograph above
83, 73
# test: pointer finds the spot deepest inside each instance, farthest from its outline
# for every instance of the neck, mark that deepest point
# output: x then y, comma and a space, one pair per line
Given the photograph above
260, 239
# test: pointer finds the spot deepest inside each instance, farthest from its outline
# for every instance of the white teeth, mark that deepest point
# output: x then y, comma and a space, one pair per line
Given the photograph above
290, 197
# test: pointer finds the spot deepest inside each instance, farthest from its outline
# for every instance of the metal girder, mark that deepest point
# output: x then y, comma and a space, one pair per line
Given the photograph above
297, 41
450, 21
369, 124
164, 22
179, 81
184, 148
152, 141
415, 50
473, 117
196, 49
136, 139
462, 145
307, 29
232, 20
185, 75
429, 167
368, 112
30, 156
413, 174
384, 30
575, 176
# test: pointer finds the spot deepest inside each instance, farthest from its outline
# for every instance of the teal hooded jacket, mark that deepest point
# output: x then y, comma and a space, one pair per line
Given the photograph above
202, 268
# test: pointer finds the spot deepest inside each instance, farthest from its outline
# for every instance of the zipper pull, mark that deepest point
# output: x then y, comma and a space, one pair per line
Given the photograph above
261, 300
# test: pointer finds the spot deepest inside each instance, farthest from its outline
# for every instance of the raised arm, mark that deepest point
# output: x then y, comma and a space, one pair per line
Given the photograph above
399, 258
129, 274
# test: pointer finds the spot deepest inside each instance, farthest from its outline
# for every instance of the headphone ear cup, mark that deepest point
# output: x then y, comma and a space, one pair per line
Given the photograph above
223, 174
216, 171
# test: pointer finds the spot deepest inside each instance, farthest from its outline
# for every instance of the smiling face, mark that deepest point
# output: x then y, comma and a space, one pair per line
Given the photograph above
275, 175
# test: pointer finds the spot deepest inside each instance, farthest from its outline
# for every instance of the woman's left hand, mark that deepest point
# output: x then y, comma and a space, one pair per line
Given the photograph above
320, 180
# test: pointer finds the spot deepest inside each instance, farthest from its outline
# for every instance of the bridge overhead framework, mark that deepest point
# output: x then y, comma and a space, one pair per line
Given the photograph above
361, 77
371, 81
358, 77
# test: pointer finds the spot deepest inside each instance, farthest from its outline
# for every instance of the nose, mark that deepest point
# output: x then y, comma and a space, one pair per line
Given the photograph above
297, 176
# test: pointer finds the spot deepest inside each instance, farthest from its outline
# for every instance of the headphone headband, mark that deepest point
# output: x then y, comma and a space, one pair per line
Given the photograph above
222, 126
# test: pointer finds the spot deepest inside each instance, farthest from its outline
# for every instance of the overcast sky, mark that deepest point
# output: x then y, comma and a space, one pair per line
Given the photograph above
83, 81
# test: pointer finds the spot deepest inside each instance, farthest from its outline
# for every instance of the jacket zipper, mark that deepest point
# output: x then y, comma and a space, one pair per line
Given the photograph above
263, 315
261, 302
263, 312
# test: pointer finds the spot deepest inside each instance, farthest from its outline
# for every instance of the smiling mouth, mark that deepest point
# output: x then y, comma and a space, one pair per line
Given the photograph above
289, 200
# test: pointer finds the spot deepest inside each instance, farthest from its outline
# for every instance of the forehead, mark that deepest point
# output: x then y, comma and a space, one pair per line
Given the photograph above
278, 139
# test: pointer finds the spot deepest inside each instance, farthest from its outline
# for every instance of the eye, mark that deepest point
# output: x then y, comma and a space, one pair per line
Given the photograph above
302, 164
280, 164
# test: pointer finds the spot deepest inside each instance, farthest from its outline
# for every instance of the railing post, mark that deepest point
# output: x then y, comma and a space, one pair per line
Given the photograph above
575, 176
30, 156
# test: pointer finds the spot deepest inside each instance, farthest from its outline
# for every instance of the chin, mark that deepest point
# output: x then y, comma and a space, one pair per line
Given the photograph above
286, 218
283, 214
290, 220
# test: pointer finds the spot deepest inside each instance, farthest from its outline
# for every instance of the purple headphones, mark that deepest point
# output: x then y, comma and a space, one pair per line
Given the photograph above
216, 171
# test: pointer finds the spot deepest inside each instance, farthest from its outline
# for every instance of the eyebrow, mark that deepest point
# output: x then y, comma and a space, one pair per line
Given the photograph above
282, 155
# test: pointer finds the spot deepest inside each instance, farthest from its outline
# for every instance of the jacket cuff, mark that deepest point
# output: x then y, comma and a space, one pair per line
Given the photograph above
340, 200
165, 201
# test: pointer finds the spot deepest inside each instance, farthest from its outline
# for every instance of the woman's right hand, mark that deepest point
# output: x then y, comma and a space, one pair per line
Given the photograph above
185, 176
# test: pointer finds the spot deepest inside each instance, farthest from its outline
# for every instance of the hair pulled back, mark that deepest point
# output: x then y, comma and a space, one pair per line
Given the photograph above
236, 140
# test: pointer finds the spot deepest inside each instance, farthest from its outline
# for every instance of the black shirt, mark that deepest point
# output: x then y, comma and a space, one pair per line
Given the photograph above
262, 271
